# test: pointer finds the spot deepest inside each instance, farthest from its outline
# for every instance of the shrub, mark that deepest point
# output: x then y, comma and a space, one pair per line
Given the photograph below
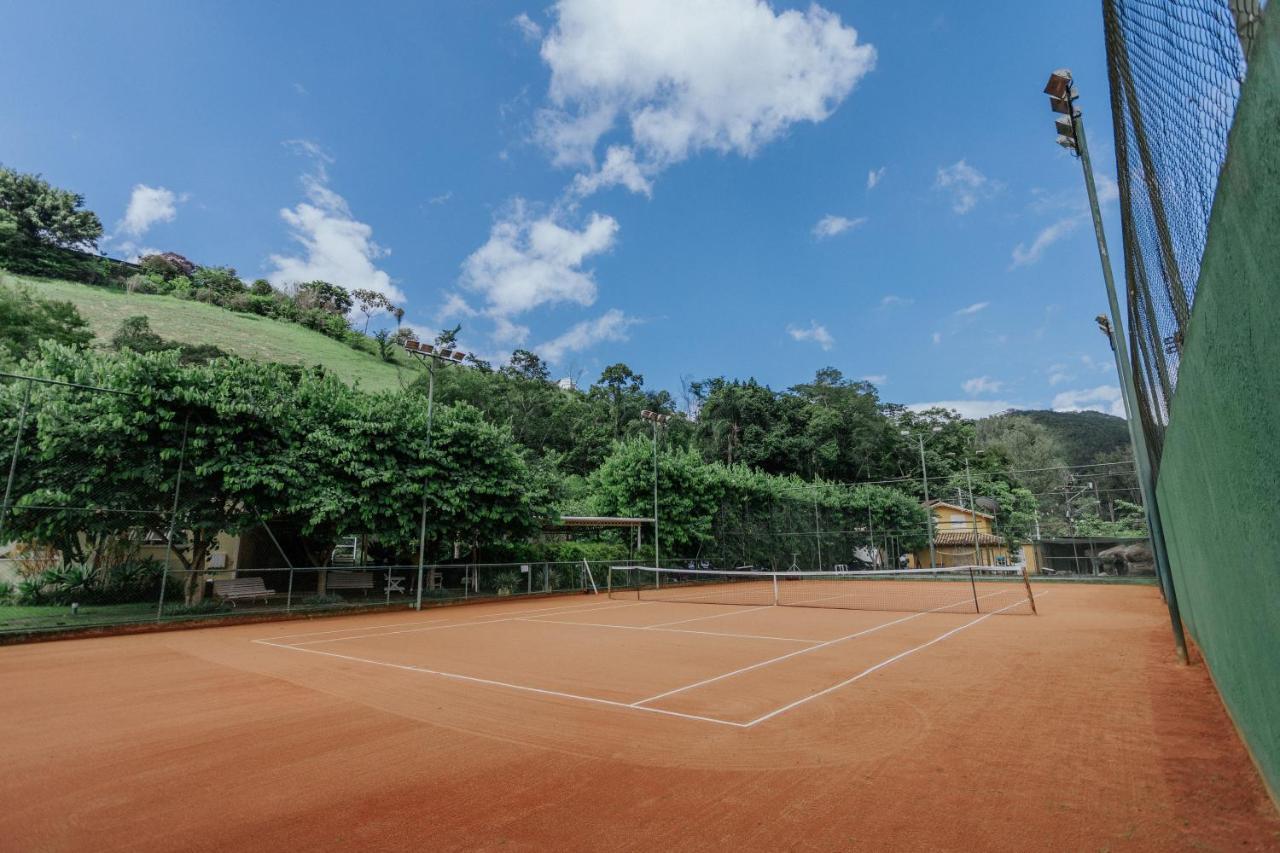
7, 592
218, 279
261, 287
140, 284
241, 302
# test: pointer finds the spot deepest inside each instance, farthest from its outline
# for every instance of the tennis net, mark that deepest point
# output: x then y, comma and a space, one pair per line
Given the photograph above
954, 589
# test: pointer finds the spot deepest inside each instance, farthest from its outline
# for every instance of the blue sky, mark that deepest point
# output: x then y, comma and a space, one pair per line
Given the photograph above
741, 189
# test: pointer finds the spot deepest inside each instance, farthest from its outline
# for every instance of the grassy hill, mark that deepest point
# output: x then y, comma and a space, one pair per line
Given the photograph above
1083, 435
246, 335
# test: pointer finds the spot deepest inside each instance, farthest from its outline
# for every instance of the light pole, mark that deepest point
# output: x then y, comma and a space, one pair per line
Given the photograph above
973, 510
1070, 125
657, 419
430, 354
924, 472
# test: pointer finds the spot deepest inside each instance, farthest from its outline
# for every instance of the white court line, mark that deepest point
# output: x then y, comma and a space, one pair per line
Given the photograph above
490, 682
670, 630
861, 633
899, 656
419, 622
441, 625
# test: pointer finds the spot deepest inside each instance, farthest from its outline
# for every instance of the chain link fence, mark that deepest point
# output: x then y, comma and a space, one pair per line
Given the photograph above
1175, 69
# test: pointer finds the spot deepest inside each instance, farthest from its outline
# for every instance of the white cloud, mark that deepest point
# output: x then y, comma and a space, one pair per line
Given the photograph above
816, 332
610, 326
455, 306
891, 301
718, 75
509, 333
1075, 204
532, 261
982, 385
937, 338
1093, 364
300, 89
619, 168
1058, 374
443, 198
875, 176
831, 225
972, 309
528, 27
876, 379
1104, 398
968, 408
336, 247
1024, 255
147, 206
965, 184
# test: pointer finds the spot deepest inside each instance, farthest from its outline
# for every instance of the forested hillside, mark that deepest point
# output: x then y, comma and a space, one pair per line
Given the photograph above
1084, 436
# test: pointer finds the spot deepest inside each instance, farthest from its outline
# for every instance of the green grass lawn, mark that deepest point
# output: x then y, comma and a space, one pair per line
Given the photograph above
19, 617
245, 335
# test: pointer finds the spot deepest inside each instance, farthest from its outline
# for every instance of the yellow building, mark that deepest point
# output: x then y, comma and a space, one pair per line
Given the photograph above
955, 529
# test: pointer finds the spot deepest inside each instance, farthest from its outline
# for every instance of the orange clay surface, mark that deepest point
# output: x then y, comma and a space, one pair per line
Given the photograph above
584, 723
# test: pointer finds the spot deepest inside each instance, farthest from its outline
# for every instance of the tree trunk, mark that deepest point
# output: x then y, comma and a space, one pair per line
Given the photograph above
193, 583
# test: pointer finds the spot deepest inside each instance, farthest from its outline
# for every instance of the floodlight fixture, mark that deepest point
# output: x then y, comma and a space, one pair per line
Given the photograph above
655, 417
1059, 83
1104, 325
1064, 104
1066, 125
459, 355
427, 348
1068, 142
411, 345
446, 353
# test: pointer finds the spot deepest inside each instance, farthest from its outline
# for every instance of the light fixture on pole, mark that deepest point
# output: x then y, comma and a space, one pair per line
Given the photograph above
1062, 99
924, 472
657, 419
431, 354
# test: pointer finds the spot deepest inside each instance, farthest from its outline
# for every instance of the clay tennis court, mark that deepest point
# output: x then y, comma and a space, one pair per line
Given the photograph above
590, 722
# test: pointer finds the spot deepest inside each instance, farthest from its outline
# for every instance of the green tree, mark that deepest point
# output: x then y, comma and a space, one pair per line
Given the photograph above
41, 213
324, 296
26, 320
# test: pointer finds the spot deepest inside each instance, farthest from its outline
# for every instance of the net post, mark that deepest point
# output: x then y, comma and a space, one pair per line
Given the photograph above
1026, 582
973, 585
775, 589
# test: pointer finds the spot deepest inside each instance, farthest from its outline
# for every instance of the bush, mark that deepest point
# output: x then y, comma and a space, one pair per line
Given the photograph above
222, 280
261, 287
135, 581
263, 306
140, 284
7, 592
241, 302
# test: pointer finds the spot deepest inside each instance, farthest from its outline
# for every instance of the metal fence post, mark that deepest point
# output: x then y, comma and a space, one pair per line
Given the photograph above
288, 599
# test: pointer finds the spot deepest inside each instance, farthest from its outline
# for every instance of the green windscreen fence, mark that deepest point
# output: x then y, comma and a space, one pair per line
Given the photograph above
1219, 480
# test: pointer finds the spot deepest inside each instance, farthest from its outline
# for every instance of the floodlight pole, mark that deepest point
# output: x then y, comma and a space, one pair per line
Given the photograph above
928, 510
656, 418
1061, 91
13, 460
422, 524
973, 513
431, 354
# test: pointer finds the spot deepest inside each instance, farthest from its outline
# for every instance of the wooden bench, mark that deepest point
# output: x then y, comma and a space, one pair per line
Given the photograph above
349, 580
237, 588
